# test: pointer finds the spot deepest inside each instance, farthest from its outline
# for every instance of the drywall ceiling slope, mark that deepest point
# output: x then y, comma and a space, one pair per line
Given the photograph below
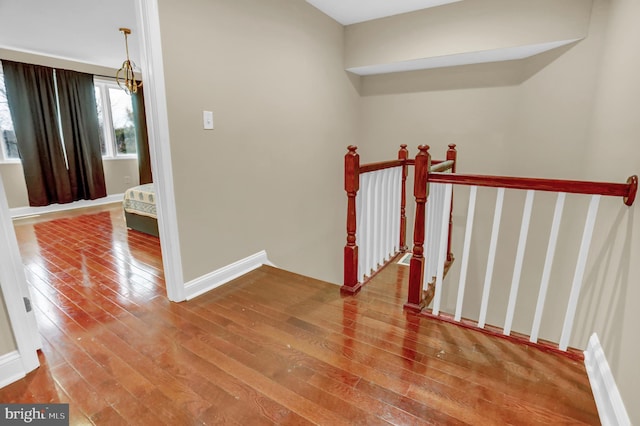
349, 12
78, 30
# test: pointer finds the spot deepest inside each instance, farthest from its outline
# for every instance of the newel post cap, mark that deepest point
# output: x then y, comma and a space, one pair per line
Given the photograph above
633, 188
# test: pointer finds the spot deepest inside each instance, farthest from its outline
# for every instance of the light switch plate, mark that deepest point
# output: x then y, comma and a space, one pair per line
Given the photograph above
207, 118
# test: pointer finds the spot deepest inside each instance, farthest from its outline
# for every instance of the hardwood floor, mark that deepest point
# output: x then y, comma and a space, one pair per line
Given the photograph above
269, 348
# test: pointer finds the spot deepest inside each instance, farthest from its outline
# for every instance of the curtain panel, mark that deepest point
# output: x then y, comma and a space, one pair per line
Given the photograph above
55, 172
142, 138
81, 134
32, 100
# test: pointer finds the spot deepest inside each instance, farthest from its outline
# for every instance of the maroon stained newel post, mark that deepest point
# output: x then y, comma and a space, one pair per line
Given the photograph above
403, 154
452, 155
633, 188
416, 266
351, 186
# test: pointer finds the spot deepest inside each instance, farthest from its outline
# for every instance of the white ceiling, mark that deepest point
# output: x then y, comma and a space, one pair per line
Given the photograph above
79, 30
349, 12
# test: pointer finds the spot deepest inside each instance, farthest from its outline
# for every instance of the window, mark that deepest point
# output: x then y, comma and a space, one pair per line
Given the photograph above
115, 115
9, 149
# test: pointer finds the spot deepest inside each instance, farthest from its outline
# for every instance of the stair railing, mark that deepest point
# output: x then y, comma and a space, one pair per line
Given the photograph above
424, 178
376, 217
376, 213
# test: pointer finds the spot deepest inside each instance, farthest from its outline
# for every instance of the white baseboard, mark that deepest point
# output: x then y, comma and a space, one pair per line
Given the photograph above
32, 211
611, 408
225, 274
11, 368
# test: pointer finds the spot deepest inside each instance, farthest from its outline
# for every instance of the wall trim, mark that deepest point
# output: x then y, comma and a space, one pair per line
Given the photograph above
33, 211
11, 368
14, 286
155, 99
225, 274
605, 392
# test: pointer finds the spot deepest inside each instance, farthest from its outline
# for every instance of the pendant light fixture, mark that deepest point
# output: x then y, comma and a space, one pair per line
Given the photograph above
125, 76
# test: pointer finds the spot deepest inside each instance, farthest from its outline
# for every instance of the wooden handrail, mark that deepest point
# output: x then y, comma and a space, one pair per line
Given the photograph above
626, 190
372, 167
442, 166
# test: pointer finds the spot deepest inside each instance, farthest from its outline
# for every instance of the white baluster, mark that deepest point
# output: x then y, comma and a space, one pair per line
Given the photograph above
360, 230
432, 233
465, 251
380, 228
374, 223
579, 273
491, 259
388, 205
378, 218
369, 224
394, 235
428, 235
517, 269
382, 208
442, 250
546, 272
395, 218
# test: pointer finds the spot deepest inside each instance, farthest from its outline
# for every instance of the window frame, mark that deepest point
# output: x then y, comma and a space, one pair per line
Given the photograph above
4, 159
103, 84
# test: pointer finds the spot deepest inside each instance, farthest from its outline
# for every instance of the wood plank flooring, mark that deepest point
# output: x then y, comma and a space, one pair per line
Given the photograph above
269, 348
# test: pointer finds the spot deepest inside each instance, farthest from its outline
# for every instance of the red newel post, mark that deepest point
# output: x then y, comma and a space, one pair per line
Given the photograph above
403, 154
452, 154
633, 188
416, 267
351, 186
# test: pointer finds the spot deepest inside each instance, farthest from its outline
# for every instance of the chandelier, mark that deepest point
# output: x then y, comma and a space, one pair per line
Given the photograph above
125, 76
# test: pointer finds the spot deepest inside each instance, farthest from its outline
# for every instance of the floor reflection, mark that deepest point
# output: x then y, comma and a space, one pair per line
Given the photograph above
93, 253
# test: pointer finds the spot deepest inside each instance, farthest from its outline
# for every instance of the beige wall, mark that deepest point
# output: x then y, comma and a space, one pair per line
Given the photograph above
119, 175
613, 150
566, 114
14, 184
463, 27
7, 342
270, 175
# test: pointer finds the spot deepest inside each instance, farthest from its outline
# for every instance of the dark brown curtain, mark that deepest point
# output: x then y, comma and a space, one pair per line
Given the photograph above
142, 139
81, 134
32, 101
